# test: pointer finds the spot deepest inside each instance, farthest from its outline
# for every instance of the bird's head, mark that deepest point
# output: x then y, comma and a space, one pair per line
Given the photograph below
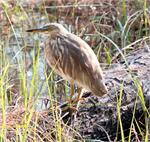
51, 28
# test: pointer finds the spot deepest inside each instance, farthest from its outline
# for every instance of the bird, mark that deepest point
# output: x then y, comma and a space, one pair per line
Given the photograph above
73, 59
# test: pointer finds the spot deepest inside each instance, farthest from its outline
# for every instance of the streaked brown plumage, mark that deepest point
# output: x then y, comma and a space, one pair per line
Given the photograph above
72, 58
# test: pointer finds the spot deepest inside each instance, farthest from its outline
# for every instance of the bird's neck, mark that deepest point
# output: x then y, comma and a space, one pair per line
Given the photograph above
55, 34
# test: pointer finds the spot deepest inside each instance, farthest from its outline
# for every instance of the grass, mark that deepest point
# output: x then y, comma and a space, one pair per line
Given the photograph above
110, 35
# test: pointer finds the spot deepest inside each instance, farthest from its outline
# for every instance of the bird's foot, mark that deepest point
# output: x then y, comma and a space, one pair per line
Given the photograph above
68, 106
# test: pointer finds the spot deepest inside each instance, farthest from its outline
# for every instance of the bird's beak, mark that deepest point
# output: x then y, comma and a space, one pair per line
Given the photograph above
43, 29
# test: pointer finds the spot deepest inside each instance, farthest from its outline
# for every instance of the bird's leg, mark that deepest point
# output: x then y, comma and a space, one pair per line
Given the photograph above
70, 101
79, 96
73, 103
72, 94
72, 90
77, 101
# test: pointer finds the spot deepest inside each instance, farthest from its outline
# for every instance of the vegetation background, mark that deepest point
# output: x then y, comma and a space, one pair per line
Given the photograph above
113, 29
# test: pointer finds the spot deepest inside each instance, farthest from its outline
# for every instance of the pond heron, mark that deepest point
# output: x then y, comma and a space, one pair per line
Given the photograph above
73, 59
